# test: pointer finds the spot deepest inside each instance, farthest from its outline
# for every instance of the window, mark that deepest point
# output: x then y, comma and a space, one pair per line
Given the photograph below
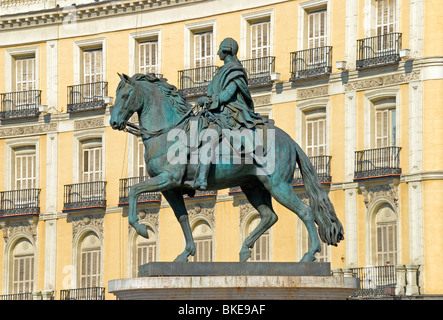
202, 234
386, 17
25, 73
316, 133
146, 249
24, 171
91, 160
386, 225
203, 51
260, 251
90, 261
140, 169
260, 39
148, 56
385, 128
317, 36
92, 65
22, 267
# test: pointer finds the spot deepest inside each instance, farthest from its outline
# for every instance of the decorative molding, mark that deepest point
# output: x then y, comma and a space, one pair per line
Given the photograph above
89, 123
205, 210
80, 223
312, 92
149, 216
29, 130
382, 81
27, 228
261, 100
373, 192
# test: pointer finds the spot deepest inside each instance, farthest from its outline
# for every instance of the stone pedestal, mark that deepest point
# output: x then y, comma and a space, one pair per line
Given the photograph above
234, 281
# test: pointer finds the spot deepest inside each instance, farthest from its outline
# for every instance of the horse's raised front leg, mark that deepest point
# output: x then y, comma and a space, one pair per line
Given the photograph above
175, 199
161, 182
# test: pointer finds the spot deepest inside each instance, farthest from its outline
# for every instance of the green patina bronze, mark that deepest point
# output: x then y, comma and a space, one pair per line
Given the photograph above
228, 105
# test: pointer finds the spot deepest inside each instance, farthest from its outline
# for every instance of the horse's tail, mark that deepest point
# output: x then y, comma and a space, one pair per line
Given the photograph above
330, 228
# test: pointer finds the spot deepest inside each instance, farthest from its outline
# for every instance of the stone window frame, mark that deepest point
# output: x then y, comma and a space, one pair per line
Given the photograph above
303, 9
79, 47
134, 40
10, 56
189, 30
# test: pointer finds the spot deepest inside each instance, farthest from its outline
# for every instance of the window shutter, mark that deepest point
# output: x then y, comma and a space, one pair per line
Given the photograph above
148, 60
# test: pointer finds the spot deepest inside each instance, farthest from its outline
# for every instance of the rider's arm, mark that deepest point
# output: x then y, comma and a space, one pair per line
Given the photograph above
224, 96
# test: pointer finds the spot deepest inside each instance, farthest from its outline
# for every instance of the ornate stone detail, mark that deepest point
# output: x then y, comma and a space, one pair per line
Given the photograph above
204, 209
384, 80
312, 92
372, 192
149, 216
28, 228
79, 223
89, 123
29, 130
261, 100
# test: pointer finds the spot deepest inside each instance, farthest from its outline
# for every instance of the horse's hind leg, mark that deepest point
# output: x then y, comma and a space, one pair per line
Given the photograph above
175, 199
285, 194
261, 200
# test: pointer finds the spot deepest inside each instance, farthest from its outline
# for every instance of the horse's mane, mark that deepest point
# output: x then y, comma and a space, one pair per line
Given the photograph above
168, 90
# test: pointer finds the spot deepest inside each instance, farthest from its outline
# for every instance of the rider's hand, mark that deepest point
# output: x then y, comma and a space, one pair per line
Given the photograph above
202, 101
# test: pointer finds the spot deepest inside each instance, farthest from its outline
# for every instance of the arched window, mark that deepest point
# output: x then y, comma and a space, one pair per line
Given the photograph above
202, 233
323, 255
90, 273
146, 249
386, 240
22, 276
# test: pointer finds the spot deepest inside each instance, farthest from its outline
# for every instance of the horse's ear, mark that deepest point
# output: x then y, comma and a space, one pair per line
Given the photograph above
121, 77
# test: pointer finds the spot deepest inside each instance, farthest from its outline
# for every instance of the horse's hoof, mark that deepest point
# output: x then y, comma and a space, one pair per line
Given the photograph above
142, 230
308, 257
245, 255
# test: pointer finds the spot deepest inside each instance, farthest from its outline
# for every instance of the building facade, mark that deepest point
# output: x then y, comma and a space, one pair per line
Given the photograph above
357, 83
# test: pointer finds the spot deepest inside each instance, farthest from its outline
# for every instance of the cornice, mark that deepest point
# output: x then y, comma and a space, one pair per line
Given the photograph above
82, 12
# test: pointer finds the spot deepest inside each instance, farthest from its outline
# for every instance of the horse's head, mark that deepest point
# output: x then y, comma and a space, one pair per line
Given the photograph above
126, 103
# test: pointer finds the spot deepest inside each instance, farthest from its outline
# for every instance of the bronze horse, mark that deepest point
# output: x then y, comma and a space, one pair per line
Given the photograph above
161, 109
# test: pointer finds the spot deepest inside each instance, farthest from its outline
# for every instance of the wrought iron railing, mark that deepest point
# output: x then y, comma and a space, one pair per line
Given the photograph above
259, 70
127, 183
85, 195
93, 293
17, 296
20, 202
22, 104
378, 51
310, 63
322, 165
375, 281
87, 96
377, 162
194, 82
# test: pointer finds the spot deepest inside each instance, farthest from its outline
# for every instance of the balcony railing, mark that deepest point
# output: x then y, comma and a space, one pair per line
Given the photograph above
19, 202
310, 63
377, 163
378, 51
259, 70
375, 281
194, 82
126, 184
22, 104
17, 296
93, 293
322, 165
85, 195
89, 96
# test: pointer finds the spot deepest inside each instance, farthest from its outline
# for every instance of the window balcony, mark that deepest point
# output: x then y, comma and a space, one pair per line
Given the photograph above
311, 63
375, 281
378, 162
16, 296
19, 202
85, 195
89, 96
126, 184
322, 165
194, 82
93, 293
378, 51
259, 71
22, 104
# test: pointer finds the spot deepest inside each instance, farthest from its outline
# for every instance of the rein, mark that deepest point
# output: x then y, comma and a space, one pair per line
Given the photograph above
139, 130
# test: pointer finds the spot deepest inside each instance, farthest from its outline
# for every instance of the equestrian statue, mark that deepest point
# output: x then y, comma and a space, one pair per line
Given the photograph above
219, 143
